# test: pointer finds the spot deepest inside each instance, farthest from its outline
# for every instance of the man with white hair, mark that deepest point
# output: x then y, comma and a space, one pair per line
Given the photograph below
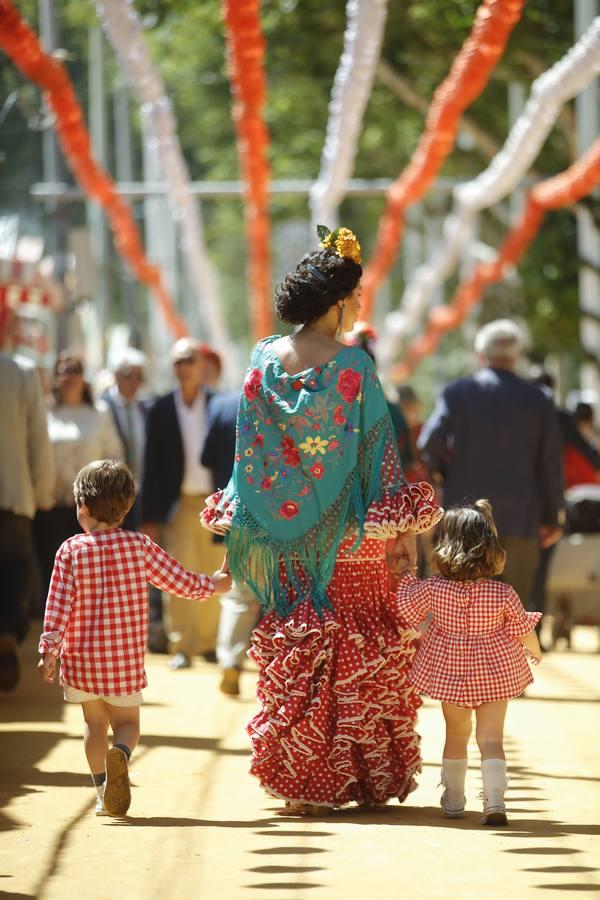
495, 435
175, 488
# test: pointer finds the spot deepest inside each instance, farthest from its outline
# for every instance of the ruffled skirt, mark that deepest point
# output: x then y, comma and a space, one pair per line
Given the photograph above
337, 717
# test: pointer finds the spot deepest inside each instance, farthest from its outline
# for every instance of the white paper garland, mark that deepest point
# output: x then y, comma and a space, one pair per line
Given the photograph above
549, 93
365, 23
124, 30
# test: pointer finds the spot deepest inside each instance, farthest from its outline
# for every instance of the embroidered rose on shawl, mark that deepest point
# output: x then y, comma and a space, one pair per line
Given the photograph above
349, 384
289, 509
290, 452
338, 415
317, 470
252, 384
267, 483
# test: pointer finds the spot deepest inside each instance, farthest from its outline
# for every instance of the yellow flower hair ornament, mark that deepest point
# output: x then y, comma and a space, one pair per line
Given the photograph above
343, 241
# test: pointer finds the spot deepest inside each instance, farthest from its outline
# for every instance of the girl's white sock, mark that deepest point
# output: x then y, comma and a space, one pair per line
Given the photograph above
454, 772
493, 773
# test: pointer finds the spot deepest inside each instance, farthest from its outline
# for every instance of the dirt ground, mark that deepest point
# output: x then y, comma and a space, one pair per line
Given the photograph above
200, 828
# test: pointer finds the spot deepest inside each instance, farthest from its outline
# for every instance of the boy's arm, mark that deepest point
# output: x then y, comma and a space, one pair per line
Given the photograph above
166, 573
58, 604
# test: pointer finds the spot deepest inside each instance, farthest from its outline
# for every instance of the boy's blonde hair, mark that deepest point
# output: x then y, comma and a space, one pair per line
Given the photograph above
467, 546
107, 488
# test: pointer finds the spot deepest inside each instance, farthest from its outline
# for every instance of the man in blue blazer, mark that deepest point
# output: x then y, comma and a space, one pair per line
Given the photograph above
175, 488
495, 435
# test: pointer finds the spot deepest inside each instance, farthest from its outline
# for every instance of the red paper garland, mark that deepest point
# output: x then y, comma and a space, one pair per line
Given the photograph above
469, 75
21, 44
246, 46
553, 193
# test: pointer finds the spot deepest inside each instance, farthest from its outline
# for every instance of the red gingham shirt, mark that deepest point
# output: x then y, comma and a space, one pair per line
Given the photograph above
470, 654
97, 608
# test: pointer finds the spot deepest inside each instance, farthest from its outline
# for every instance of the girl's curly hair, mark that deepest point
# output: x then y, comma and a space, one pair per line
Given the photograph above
467, 546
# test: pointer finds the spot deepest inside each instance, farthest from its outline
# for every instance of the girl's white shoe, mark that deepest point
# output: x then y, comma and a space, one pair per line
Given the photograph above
452, 805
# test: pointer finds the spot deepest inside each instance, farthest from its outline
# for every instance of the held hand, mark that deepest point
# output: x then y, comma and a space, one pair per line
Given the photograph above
223, 581
549, 535
47, 668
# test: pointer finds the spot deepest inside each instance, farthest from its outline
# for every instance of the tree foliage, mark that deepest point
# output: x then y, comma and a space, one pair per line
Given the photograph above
304, 40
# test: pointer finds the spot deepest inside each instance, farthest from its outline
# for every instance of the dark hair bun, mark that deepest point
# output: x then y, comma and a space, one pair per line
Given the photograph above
320, 280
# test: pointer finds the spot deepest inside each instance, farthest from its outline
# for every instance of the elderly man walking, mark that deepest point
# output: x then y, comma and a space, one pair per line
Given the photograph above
495, 435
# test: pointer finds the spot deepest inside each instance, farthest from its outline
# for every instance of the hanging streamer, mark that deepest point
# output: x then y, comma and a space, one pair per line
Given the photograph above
365, 23
549, 93
21, 44
246, 46
124, 30
469, 75
554, 193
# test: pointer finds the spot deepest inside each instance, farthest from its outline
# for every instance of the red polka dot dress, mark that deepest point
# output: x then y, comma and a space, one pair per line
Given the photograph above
471, 653
337, 717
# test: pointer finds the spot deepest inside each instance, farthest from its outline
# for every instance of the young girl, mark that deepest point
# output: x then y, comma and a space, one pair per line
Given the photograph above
472, 656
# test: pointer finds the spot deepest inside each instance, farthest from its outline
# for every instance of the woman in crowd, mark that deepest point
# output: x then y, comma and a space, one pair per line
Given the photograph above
80, 431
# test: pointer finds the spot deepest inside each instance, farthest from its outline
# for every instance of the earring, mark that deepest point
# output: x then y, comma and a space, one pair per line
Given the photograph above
340, 320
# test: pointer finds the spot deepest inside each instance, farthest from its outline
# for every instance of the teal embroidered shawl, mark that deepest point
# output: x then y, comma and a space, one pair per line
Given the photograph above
309, 456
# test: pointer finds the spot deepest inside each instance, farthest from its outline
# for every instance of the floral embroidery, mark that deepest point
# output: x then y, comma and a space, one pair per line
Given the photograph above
252, 384
314, 445
290, 451
258, 441
289, 509
249, 468
349, 384
338, 415
248, 451
317, 470
266, 484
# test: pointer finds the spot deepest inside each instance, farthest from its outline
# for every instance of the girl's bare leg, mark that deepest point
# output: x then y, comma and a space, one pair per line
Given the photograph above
490, 729
458, 730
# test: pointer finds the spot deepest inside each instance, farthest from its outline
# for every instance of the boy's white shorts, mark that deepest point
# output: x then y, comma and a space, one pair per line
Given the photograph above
72, 695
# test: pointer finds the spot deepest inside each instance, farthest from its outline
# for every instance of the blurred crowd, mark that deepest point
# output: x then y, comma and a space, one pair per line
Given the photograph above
493, 434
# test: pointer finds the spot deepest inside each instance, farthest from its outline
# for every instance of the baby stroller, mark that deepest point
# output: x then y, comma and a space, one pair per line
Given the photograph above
573, 588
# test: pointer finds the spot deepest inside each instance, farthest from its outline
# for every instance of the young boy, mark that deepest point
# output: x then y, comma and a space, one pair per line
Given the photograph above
96, 621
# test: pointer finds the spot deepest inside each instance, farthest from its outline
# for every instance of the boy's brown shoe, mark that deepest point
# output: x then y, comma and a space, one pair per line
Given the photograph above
117, 793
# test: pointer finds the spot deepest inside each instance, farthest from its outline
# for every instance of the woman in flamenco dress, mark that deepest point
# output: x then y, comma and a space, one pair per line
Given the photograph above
316, 512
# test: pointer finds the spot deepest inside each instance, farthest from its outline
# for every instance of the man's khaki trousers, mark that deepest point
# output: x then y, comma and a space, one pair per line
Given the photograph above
191, 625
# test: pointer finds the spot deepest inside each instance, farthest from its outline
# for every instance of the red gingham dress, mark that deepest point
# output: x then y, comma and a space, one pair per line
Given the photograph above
470, 654
96, 616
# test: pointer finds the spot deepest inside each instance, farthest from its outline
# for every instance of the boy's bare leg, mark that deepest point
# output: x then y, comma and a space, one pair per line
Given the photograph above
95, 735
125, 724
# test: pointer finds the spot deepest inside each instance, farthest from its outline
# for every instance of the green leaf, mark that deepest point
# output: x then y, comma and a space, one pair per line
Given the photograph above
323, 232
